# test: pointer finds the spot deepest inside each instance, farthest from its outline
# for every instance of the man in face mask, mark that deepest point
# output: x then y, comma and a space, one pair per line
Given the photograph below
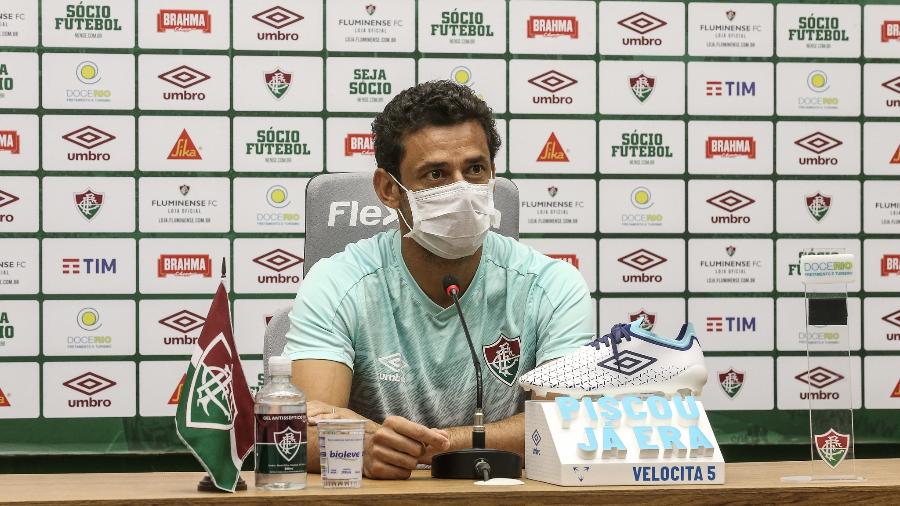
373, 335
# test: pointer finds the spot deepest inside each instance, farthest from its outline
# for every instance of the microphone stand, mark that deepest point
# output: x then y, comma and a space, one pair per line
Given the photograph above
477, 462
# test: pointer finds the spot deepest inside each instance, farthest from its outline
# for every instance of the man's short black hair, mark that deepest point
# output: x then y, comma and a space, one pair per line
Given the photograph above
438, 103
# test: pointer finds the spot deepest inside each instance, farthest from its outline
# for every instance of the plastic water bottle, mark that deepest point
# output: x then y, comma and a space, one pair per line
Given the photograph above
280, 430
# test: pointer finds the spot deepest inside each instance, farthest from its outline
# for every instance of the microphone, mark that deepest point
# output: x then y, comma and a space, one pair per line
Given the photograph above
477, 462
451, 288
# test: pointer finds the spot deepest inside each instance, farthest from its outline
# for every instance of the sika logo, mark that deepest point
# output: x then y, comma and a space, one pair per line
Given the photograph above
893, 85
818, 205
278, 18
818, 143
730, 324
730, 201
176, 395
731, 382
183, 322
641, 86
731, 147
896, 158
184, 148
730, 88
552, 81
553, 151
890, 30
359, 144
890, 265
552, 26
641, 23
642, 260
88, 266
184, 77
569, 258
893, 319
278, 260
88, 203
89, 384
184, 266
88, 137
649, 319
9, 142
4, 400
819, 378
278, 82
181, 20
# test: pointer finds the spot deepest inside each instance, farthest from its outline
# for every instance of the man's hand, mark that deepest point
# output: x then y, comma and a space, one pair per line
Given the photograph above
397, 446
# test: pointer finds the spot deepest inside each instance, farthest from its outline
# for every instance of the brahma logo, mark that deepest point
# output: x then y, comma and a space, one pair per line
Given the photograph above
73, 266
642, 260
88, 203
183, 20
730, 88
832, 446
278, 260
731, 147
88, 137
359, 144
730, 201
819, 378
278, 18
731, 382
730, 324
183, 322
183, 265
184, 77
818, 205
552, 26
890, 30
818, 143
553, 151
552, 81
9, 141
569, 258
641, 86
890, 265
89, 384
184, 148
649, 319
641, 23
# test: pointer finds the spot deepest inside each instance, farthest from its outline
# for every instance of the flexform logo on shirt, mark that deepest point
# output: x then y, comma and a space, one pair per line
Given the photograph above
552, 81
740, 146
890, 265
183, 322
183, 20
359, 144
278, 260
552, 26
552, 151
731, 324
88, 137
819, 378
890, 30
278, 18
642, 260
184, 77
730, 201
642, 24
818, 143
89, 384
9, 142
96, 266
183, 265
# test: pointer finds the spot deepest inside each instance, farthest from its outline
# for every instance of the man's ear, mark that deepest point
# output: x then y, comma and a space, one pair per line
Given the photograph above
387, 190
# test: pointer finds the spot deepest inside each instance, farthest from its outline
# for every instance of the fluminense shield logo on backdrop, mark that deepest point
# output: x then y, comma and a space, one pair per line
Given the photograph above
731, 382
649, 319
211, 397
278, 82
818, 205
502, 357
832, 447
88, 203
641, 86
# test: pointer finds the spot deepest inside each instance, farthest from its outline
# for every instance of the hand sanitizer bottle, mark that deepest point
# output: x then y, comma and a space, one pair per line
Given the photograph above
280, 430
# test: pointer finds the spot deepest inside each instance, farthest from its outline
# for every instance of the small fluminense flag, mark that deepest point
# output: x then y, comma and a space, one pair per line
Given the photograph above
215, 408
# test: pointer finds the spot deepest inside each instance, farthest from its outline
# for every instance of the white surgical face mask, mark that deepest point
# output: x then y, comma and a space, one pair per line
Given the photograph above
451, 220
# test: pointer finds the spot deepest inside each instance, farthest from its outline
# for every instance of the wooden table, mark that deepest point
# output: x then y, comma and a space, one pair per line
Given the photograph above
747, 483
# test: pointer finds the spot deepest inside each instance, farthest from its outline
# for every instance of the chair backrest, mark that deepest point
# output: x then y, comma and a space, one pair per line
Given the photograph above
343, 208
276, 336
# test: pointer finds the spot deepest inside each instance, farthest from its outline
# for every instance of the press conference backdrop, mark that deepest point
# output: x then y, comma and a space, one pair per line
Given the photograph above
681, 155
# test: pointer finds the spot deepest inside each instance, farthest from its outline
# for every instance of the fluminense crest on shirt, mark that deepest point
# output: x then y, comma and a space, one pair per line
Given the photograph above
502, 357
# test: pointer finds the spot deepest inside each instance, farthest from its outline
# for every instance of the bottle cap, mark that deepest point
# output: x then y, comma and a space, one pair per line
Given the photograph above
279, 366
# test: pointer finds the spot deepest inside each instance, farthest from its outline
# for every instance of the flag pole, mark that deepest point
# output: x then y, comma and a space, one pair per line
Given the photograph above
206, 484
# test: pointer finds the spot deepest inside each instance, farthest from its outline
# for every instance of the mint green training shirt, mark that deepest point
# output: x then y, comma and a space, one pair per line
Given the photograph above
409, 356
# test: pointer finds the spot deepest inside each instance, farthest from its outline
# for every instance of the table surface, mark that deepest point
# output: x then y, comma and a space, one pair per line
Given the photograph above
746, 483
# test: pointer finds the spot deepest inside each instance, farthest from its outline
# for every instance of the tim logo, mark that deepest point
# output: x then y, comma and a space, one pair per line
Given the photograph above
9, 141
184, 266
88, 265
730, 88
730, 324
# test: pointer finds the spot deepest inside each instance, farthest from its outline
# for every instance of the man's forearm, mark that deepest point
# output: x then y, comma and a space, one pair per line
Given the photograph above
506, 434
